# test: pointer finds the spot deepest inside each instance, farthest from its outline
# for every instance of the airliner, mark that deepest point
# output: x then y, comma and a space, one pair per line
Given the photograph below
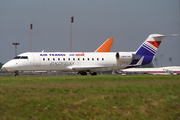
86, 62
105, 47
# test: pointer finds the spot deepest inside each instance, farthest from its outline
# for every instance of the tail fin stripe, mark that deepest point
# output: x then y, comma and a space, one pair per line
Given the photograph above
155, 43
148, 49
151, 46
152, 49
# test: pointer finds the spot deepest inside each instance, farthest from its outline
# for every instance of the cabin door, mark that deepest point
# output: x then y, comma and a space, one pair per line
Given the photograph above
37, 61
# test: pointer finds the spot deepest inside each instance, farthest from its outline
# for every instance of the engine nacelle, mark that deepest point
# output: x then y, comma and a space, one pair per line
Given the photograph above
125, 58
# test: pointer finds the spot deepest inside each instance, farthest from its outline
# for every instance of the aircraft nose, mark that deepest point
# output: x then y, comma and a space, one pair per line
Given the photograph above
5, 66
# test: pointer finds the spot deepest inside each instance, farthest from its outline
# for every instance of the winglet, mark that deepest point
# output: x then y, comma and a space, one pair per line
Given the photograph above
106, 46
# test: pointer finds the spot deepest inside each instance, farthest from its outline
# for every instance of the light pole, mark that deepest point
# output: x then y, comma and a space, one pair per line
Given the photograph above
170, 60
155, 59
31, 27
72, 20
161, 59
16, 47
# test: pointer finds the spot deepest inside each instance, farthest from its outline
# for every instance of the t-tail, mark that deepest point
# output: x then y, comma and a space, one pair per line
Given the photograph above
149, 47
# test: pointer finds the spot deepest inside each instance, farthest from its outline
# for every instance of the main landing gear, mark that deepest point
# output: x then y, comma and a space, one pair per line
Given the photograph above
93, 73
16, 73
82, 73
85, 73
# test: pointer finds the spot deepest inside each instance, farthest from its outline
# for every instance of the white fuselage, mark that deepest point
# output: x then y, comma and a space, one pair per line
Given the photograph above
68, 61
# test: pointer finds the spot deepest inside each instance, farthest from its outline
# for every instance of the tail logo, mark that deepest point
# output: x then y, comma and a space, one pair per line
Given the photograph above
155, 43
150, 47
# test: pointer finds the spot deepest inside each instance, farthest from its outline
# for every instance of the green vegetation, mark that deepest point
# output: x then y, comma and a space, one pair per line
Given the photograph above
90, 97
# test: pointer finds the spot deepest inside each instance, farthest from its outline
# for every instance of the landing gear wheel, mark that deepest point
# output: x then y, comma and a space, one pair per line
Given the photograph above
16, 73
82, 73
94, 73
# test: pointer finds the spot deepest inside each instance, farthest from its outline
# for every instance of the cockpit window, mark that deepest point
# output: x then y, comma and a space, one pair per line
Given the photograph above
17, 57
21, 57
24, 57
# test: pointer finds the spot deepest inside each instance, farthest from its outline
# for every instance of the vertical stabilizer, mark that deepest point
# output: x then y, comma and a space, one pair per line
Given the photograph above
106, 46
150, 46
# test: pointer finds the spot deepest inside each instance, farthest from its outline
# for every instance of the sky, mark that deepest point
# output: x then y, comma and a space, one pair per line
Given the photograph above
129, 22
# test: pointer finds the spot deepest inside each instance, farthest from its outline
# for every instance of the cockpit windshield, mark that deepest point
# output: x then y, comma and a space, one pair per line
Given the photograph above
21, 57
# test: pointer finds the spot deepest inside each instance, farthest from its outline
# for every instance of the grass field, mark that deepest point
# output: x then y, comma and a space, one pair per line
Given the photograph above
90, 97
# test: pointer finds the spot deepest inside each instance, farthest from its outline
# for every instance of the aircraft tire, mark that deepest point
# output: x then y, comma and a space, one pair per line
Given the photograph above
94, 73
82, 73
16, 73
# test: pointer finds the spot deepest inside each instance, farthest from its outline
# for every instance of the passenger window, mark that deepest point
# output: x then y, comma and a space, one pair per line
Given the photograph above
69, 59
97, 59
92, 59
83, 59
74, 59
48, 59
102, 59
64, 59
43, 59
88, 59
53, 58
58, 58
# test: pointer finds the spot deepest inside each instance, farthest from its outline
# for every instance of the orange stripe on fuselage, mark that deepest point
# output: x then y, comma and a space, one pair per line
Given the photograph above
155, 43
106, 46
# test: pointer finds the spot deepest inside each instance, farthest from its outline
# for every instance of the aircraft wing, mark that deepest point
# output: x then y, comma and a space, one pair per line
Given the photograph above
93, 68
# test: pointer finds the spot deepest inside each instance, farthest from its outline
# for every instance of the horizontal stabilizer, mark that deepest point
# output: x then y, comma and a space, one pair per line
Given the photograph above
171, 35
140, 61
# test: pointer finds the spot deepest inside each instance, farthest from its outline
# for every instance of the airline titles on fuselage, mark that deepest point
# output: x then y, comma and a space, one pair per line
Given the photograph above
62, 54
52, 54
62, 63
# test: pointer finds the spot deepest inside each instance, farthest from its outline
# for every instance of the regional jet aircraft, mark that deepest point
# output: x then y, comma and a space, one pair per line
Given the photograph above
83, 62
